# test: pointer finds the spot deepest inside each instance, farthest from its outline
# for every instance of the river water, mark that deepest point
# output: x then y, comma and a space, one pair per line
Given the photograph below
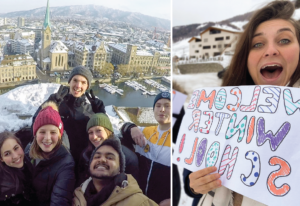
130, 98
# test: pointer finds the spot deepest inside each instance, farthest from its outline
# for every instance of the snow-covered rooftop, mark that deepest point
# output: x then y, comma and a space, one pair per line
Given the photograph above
58, 47
120, 47
47, 60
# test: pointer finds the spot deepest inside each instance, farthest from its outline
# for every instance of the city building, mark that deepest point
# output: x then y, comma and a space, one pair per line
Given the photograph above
21, 21
14, 68
51, 55
93, 55
22, 46
128, 54
214, 41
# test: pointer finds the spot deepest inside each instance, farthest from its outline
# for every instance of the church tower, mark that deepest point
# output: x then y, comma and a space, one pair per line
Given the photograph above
46, 35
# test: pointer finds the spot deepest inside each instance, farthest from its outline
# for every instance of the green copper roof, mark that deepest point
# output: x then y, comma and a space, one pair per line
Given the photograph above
47, 17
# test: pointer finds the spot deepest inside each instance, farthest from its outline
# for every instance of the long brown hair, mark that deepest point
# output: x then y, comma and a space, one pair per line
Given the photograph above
237, 73
16, 176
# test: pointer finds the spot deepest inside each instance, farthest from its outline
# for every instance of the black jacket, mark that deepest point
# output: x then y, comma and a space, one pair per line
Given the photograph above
75, 114
131, 162
17, 191
54, 178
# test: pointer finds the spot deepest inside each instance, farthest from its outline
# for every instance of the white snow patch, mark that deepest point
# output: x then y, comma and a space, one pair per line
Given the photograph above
181, 48
296, 14
239, 24
25, 100
225, 27
201, 25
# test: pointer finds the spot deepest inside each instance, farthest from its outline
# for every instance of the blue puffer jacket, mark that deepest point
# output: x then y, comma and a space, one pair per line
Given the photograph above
54, 178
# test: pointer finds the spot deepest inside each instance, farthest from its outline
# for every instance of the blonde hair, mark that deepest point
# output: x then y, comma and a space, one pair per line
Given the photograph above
37, 153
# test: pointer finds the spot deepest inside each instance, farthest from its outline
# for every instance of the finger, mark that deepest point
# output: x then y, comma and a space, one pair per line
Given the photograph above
212, 185
203, 172
65, 91
208, 178
92, 94
60, 89
88, 96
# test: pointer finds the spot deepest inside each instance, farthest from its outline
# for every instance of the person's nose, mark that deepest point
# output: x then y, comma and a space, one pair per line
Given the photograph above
14, 155
47, 136
271, 50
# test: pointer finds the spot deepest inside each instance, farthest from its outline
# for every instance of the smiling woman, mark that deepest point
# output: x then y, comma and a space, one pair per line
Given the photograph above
267, 54
15, 189
55, 185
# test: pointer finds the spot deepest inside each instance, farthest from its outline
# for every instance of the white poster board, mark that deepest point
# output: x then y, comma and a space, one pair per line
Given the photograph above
251, 134
178, 100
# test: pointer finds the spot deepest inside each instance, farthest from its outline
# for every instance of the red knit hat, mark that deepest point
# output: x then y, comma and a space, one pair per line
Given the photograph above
48, 115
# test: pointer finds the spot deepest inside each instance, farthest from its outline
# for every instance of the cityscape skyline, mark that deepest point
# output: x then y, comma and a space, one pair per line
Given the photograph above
148, 8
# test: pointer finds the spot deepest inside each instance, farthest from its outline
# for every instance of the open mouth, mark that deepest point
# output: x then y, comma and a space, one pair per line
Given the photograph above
271, 72
101, 167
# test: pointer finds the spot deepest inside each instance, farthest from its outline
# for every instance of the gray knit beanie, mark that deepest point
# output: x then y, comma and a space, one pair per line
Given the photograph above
81, 70
162, 95
116, 144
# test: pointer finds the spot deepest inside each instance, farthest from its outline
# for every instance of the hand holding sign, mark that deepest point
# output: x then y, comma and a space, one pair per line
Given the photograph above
205, 180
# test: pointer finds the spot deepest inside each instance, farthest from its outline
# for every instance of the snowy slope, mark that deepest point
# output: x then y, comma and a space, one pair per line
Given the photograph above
181, 48
25, 100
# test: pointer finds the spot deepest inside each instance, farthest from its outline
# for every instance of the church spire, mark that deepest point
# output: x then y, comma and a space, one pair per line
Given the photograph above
47, 17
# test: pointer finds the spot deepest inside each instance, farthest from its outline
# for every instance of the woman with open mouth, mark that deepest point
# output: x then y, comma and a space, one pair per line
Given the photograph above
53, 176
267, 53
15, 172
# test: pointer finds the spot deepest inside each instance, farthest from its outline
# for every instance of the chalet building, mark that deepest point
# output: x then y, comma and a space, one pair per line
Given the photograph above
214, 41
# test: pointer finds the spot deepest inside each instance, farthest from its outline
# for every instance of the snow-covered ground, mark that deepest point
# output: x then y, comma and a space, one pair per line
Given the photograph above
181, 48
25, 100
189, 83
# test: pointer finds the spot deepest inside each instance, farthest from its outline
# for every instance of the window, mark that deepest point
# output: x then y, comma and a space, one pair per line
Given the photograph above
206, 47
219, 38
214, 31
227, 45
228, 37
198, 40
197, 51
214, 46
220, 46
200, 45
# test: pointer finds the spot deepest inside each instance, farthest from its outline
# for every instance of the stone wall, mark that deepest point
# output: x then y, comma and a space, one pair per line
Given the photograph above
199, 68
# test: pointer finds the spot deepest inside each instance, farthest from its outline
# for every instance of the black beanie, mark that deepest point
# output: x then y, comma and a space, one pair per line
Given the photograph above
116, 144
162, 95
81, 70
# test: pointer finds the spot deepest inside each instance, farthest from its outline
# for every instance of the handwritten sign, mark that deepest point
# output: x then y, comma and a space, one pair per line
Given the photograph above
251, 134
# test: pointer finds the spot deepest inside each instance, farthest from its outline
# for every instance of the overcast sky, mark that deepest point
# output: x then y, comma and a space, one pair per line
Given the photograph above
156, 8
201, 11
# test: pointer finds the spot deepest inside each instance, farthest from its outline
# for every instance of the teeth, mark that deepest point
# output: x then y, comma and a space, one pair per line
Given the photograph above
18, 160
272, 65
48, 143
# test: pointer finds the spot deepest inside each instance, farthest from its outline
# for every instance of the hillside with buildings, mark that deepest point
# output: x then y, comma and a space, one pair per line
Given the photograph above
39, 48
96, 12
